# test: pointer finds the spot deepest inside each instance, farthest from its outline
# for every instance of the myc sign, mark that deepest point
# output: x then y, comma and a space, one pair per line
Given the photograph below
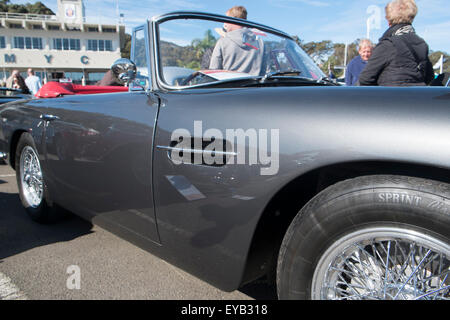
11, 58
84, 60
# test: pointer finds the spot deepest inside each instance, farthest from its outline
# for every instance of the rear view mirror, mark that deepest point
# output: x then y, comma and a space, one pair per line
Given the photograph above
124, 70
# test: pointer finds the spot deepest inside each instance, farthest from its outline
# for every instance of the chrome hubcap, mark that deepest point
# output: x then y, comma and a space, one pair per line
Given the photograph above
31, 177
384, 264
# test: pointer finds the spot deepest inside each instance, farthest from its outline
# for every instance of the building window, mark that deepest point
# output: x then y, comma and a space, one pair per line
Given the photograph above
100, 45
41, 74
109, 30
53, 27
37, 27
92, 29
108, 45
27, 43
2, 43
93, 45
75, 76
15, 26
19, 43
4, 75
75, 44
37, 43
66, 44
95, 76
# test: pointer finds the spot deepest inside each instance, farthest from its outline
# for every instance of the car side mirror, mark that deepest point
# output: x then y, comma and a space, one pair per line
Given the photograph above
124, 70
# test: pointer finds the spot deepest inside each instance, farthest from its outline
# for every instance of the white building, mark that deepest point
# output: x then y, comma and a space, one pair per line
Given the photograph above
60, 46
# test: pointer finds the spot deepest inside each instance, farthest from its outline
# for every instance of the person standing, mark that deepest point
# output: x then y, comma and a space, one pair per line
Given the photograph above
33, 82
10, 80
239, 49
19, 83
354, 68
108, 80
16, 81
401, 56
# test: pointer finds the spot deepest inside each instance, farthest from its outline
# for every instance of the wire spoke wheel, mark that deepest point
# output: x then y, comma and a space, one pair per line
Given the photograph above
384, 263
31, 177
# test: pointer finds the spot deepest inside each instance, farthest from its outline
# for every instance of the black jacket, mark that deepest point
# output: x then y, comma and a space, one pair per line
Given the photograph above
394, 64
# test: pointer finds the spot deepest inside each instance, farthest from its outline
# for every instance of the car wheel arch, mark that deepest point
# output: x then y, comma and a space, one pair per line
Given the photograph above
14, 141
280, 211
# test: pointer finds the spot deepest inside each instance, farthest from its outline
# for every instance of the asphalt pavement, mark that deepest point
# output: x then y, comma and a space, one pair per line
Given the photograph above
75, 260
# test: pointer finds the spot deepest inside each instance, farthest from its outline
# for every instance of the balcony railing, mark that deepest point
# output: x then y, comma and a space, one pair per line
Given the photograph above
28, 16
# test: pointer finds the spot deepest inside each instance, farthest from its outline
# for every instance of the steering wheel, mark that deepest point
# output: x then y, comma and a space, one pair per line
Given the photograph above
189, 78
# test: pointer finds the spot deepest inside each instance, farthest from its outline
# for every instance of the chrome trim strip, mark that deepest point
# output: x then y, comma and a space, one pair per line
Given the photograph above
196, 151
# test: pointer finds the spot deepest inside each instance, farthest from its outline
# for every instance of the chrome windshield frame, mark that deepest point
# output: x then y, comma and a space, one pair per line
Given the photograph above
145, 29
158, 83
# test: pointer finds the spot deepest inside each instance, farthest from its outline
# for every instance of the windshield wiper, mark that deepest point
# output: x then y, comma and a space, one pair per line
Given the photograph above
271, 75
327, 80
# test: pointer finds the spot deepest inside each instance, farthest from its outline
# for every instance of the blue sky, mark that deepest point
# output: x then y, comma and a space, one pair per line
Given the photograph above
311, 20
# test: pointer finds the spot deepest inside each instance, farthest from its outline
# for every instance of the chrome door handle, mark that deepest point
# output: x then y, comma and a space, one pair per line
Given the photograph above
49, 117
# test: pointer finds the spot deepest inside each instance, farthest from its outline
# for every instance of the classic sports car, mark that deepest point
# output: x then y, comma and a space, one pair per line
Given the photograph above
331, 192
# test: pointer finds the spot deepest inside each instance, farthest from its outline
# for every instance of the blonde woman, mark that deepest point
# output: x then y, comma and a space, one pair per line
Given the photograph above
401, 56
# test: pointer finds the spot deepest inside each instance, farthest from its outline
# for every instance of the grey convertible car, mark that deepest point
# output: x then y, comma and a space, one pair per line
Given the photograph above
330, 192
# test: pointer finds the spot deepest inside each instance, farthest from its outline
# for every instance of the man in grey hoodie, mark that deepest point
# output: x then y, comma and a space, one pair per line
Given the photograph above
239, 49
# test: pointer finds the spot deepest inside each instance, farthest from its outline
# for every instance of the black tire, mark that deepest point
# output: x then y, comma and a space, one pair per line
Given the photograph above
362, 207
44, 211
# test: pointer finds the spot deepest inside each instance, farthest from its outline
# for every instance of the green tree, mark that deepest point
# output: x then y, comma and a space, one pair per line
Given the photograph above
17, 8
4, 5
36, 8
201, 45
436, 55
319, 51
337, 58
191, 56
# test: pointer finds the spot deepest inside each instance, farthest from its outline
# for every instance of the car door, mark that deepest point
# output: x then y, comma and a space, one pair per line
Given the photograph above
99, 153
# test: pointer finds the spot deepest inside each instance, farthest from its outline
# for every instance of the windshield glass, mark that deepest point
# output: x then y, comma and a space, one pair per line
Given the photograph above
197, 51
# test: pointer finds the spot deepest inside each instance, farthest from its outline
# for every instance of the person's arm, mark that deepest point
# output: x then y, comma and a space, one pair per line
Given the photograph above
429, 72
348, 75
216, 62
380, 59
